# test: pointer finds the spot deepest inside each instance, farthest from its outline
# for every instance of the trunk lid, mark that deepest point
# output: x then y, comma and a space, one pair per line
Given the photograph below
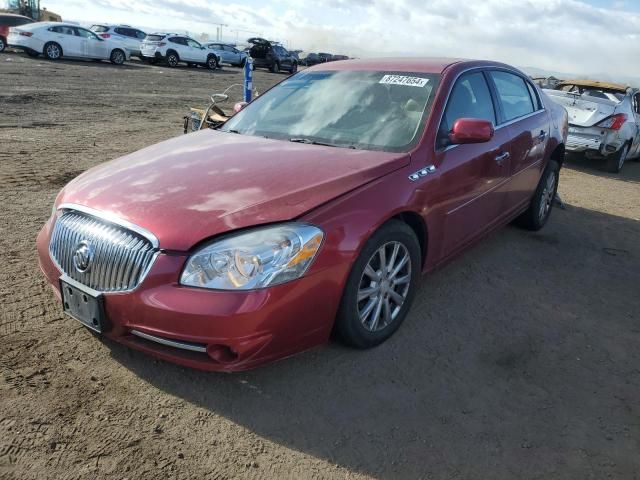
584, 110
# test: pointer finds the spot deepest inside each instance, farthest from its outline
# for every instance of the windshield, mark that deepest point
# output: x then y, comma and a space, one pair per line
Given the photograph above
356, 109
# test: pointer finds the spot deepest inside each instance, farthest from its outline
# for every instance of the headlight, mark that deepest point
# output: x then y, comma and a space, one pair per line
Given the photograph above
259, 258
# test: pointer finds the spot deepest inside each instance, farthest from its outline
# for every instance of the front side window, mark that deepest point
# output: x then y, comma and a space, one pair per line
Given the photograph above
81, 32
372, 110
192, 43
513, 95
470, 98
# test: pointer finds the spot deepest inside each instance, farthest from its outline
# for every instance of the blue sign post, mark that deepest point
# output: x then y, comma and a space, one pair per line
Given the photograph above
248, 78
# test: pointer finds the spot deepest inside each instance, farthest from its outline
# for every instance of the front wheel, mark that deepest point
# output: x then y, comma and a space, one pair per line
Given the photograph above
212, 63
380, 287
616, 161
275, 68
535, 217
52, 51
117, 57
294, 68
3, 45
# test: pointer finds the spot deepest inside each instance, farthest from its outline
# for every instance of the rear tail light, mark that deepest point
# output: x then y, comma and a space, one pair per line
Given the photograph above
105, 35
25, 34
614, 122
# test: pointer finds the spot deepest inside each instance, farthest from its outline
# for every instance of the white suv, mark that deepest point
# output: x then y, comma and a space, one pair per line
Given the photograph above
131, 38
173, 48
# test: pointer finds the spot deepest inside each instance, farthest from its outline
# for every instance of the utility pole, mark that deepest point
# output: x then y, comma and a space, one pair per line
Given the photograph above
219, 30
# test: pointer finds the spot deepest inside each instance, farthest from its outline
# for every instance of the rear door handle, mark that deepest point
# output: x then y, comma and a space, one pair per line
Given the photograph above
502, 157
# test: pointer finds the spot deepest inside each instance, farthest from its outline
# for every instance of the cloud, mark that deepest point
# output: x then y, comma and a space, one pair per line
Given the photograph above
559, 35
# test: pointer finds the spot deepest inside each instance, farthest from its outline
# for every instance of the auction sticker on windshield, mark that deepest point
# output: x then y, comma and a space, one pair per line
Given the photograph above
404, 80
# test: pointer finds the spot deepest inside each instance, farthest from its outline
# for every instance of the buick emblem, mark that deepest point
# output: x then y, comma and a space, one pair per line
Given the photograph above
83, 256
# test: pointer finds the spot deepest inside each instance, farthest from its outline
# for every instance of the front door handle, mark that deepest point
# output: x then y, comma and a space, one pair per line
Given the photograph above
502, 157
542, 135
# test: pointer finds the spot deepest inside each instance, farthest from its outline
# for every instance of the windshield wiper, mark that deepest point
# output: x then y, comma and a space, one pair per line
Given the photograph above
308, 141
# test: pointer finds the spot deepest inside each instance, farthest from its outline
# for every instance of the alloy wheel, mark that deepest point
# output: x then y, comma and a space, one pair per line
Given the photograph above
384, 286
53, 51
546, 199
172, 60
117, 57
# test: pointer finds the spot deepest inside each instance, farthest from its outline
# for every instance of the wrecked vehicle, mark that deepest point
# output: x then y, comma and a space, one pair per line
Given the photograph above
604, 120
271, 55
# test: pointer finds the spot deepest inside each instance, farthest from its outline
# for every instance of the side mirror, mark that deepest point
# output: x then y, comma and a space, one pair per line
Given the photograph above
471, 130
239, 106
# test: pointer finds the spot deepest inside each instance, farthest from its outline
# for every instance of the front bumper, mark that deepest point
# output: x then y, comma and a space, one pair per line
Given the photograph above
229, 331
593, 140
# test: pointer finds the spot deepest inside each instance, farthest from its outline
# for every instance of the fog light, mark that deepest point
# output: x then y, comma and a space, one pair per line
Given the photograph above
221, 353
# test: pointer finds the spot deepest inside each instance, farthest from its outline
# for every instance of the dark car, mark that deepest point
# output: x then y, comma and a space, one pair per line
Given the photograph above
312, 59
8, 20
347, 184
275, 57
340, 57
325, 57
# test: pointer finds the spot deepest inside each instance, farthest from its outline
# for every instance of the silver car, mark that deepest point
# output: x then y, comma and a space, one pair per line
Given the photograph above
228, 53
131, 38
604, 120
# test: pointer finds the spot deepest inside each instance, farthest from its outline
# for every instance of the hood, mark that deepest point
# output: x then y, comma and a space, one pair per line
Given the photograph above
583, 110
202, 184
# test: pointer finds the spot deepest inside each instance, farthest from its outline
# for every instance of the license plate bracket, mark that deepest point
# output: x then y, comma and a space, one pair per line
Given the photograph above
83, 304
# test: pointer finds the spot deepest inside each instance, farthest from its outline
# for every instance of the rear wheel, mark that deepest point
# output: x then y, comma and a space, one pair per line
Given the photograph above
294, 68
117, 57
3, 44
535, 217
52, 51
380, 287
616, 161
33, 53
172, 59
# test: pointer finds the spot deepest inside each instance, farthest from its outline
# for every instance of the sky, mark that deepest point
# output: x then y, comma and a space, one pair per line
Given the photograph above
596, 38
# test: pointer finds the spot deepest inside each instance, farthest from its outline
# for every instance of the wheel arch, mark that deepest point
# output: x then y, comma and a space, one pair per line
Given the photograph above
171, 50
417, 223
558, 154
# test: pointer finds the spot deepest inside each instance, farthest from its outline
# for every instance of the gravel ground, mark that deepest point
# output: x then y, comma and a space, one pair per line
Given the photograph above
519, 360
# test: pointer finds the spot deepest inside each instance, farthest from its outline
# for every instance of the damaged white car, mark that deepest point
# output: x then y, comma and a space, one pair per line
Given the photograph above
604, 120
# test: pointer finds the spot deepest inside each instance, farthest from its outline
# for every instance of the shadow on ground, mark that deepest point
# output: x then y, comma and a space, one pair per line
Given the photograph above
630, 170
507, 367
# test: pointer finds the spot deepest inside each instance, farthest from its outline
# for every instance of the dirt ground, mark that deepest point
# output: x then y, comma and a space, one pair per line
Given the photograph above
519, 360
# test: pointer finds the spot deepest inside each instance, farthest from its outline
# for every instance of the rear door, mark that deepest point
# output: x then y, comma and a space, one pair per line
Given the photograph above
71, 43
179, 44
521, 112
472, 175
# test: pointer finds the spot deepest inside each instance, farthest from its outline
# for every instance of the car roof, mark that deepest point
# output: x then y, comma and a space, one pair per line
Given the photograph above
49, 24
410, 64
13, 15
622, 88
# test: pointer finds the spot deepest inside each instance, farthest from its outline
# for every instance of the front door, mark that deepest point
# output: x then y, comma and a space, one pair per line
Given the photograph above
472, 176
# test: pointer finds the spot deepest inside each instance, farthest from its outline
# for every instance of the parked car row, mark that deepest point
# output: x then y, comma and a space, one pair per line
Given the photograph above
315, 58
116, 43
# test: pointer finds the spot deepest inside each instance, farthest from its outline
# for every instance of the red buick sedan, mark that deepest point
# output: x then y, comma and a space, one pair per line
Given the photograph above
312, 211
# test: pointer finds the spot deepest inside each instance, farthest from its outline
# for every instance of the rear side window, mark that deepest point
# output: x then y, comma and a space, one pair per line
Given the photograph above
100, 28
470, 98
534, 96
178, 40
513, 95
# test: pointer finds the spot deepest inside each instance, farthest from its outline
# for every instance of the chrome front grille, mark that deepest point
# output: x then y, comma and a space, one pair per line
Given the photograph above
116, 258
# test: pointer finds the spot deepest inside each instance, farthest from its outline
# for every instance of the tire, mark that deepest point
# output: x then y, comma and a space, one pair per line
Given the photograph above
192, 65
367, 322
536, 216
294, 68
242, 63
616, 161
33, 54
3, 44
117, 57
172, 59
52, 51
275, 68
212, 62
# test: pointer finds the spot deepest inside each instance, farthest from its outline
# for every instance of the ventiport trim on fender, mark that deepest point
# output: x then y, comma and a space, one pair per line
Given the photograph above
423, 172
